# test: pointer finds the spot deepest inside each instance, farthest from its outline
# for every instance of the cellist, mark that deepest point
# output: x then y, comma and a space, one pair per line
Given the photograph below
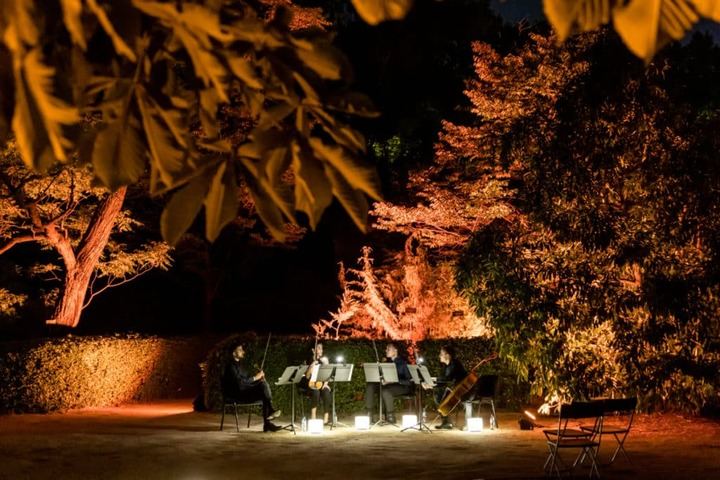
453, 372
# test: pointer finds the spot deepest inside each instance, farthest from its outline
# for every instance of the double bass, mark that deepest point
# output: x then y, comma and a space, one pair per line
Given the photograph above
460, 391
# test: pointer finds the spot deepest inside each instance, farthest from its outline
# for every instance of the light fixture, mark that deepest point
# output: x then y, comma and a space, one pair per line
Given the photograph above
530, 415
315, 426
339, 359
362, 422
409, 421
475, 424
420, 360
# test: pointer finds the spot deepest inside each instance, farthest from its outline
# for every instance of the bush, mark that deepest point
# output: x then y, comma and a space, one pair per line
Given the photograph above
286, 351
76, 372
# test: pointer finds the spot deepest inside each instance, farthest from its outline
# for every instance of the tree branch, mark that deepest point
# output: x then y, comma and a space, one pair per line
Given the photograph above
19, 240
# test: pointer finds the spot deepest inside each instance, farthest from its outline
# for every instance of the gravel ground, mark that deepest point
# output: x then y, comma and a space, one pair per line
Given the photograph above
168, 441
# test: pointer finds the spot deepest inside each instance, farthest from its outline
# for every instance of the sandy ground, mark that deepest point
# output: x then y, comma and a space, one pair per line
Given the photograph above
167, 440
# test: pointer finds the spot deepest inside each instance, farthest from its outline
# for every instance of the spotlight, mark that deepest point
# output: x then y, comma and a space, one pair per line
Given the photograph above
339, 359
408, 421
362, 422
474, 424
315, 426
420, 360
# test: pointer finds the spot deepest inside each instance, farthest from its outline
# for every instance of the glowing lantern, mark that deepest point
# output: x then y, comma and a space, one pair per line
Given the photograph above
409, 421
315, 426
474, 424
362, 422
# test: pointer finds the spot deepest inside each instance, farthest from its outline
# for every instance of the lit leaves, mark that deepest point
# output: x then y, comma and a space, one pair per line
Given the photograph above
644, 25
376, 11
118, 154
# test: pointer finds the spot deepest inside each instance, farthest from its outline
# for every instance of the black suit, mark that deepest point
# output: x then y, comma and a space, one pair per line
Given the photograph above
239, 385
391, 390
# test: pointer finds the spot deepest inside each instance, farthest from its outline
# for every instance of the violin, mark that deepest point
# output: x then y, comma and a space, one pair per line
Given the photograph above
461, 390
312, 370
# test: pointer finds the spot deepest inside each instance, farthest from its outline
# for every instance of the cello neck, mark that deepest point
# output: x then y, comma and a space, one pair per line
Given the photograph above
483, 361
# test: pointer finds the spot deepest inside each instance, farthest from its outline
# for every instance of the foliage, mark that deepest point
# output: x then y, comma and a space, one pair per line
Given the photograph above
287, 351
644, 25
408, 299
606, 280
78, 372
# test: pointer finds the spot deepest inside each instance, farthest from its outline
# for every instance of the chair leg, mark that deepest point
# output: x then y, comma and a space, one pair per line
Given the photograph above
237, 422
222, 418
493, 419
249, 415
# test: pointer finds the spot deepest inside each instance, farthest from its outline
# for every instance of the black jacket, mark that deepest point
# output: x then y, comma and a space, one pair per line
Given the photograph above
237, 377
452, 373
404, 377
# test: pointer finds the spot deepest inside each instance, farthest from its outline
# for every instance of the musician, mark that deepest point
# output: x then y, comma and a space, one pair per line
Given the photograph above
452, 372
390, 390
240, 385
318, 392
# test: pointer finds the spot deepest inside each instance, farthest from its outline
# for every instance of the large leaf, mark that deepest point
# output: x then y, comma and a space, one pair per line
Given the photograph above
118, 42
268, 211
39, 116
183, 207
359, 176
72, 11
221, 202
18, 28
118, 154
376, 11
313, 192
322, 58
351, 199
708, 8
568, 15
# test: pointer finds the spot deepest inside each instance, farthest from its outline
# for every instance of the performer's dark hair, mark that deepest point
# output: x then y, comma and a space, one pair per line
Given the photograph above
449, 349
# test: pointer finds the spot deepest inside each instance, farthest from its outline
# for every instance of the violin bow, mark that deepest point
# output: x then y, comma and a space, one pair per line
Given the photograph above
267, 344
377, 359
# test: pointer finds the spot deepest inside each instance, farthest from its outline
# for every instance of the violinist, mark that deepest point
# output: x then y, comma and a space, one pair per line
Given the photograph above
452, 372
390, 390
318, 391
240, 385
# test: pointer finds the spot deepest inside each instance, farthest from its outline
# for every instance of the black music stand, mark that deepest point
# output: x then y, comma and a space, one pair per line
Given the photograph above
377, 373
292, 376
418, 379
335, 373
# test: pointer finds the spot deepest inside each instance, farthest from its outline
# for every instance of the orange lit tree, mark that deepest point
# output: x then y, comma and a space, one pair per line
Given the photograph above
605, 280
64, 213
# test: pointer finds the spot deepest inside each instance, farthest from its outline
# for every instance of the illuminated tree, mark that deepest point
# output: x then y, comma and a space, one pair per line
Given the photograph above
63, 212
604, 281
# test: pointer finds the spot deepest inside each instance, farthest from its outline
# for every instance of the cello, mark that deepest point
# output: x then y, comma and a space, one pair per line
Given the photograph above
460, 391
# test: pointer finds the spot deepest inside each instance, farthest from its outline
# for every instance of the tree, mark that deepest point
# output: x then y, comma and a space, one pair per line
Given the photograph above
63, 212
604, 280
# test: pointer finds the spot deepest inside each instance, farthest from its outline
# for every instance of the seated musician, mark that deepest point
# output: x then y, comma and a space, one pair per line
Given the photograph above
240, 386
390, 390
453, 372
318, 391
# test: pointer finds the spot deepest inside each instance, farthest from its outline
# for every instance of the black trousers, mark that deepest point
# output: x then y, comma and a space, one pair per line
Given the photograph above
389, 392
257, 391
322, 394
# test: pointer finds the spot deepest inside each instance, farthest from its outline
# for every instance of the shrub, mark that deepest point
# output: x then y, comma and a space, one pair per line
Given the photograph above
76, 372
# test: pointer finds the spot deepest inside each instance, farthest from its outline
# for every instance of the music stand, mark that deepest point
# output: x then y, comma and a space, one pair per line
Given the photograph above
334, 373
417, 379
376, 373
292, 376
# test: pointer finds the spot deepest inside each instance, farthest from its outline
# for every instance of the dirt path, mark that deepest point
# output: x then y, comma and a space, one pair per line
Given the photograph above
168, 441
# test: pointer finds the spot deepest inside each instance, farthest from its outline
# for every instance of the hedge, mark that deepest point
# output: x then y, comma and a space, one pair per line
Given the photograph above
77, 372
285, 351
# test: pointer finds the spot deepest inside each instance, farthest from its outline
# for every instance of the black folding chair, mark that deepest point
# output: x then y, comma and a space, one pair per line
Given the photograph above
618, 417
250, 406
485, 391
565, 438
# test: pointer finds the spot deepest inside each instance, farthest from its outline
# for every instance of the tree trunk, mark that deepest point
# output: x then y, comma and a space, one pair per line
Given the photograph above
80, 266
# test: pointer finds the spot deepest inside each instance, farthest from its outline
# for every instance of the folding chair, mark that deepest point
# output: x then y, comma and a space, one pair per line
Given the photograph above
484, 394
564, 438
622, 411
235, 405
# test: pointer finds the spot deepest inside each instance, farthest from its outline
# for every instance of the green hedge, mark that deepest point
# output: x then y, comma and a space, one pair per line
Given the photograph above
76, 372
284, 351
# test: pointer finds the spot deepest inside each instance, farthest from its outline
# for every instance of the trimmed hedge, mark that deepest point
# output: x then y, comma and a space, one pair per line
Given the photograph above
285, 351
77, 372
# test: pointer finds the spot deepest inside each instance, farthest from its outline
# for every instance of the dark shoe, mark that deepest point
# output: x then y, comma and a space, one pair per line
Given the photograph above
271, 427
390, 418
445, 425
275, 414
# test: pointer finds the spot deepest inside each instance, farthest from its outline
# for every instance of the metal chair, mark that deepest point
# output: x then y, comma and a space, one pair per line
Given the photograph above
622, 412
565, 438
485, 392
235, 405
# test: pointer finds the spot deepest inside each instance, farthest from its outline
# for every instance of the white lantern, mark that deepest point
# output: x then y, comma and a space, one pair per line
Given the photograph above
315, 426
474, 424
362, 422
409, 421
